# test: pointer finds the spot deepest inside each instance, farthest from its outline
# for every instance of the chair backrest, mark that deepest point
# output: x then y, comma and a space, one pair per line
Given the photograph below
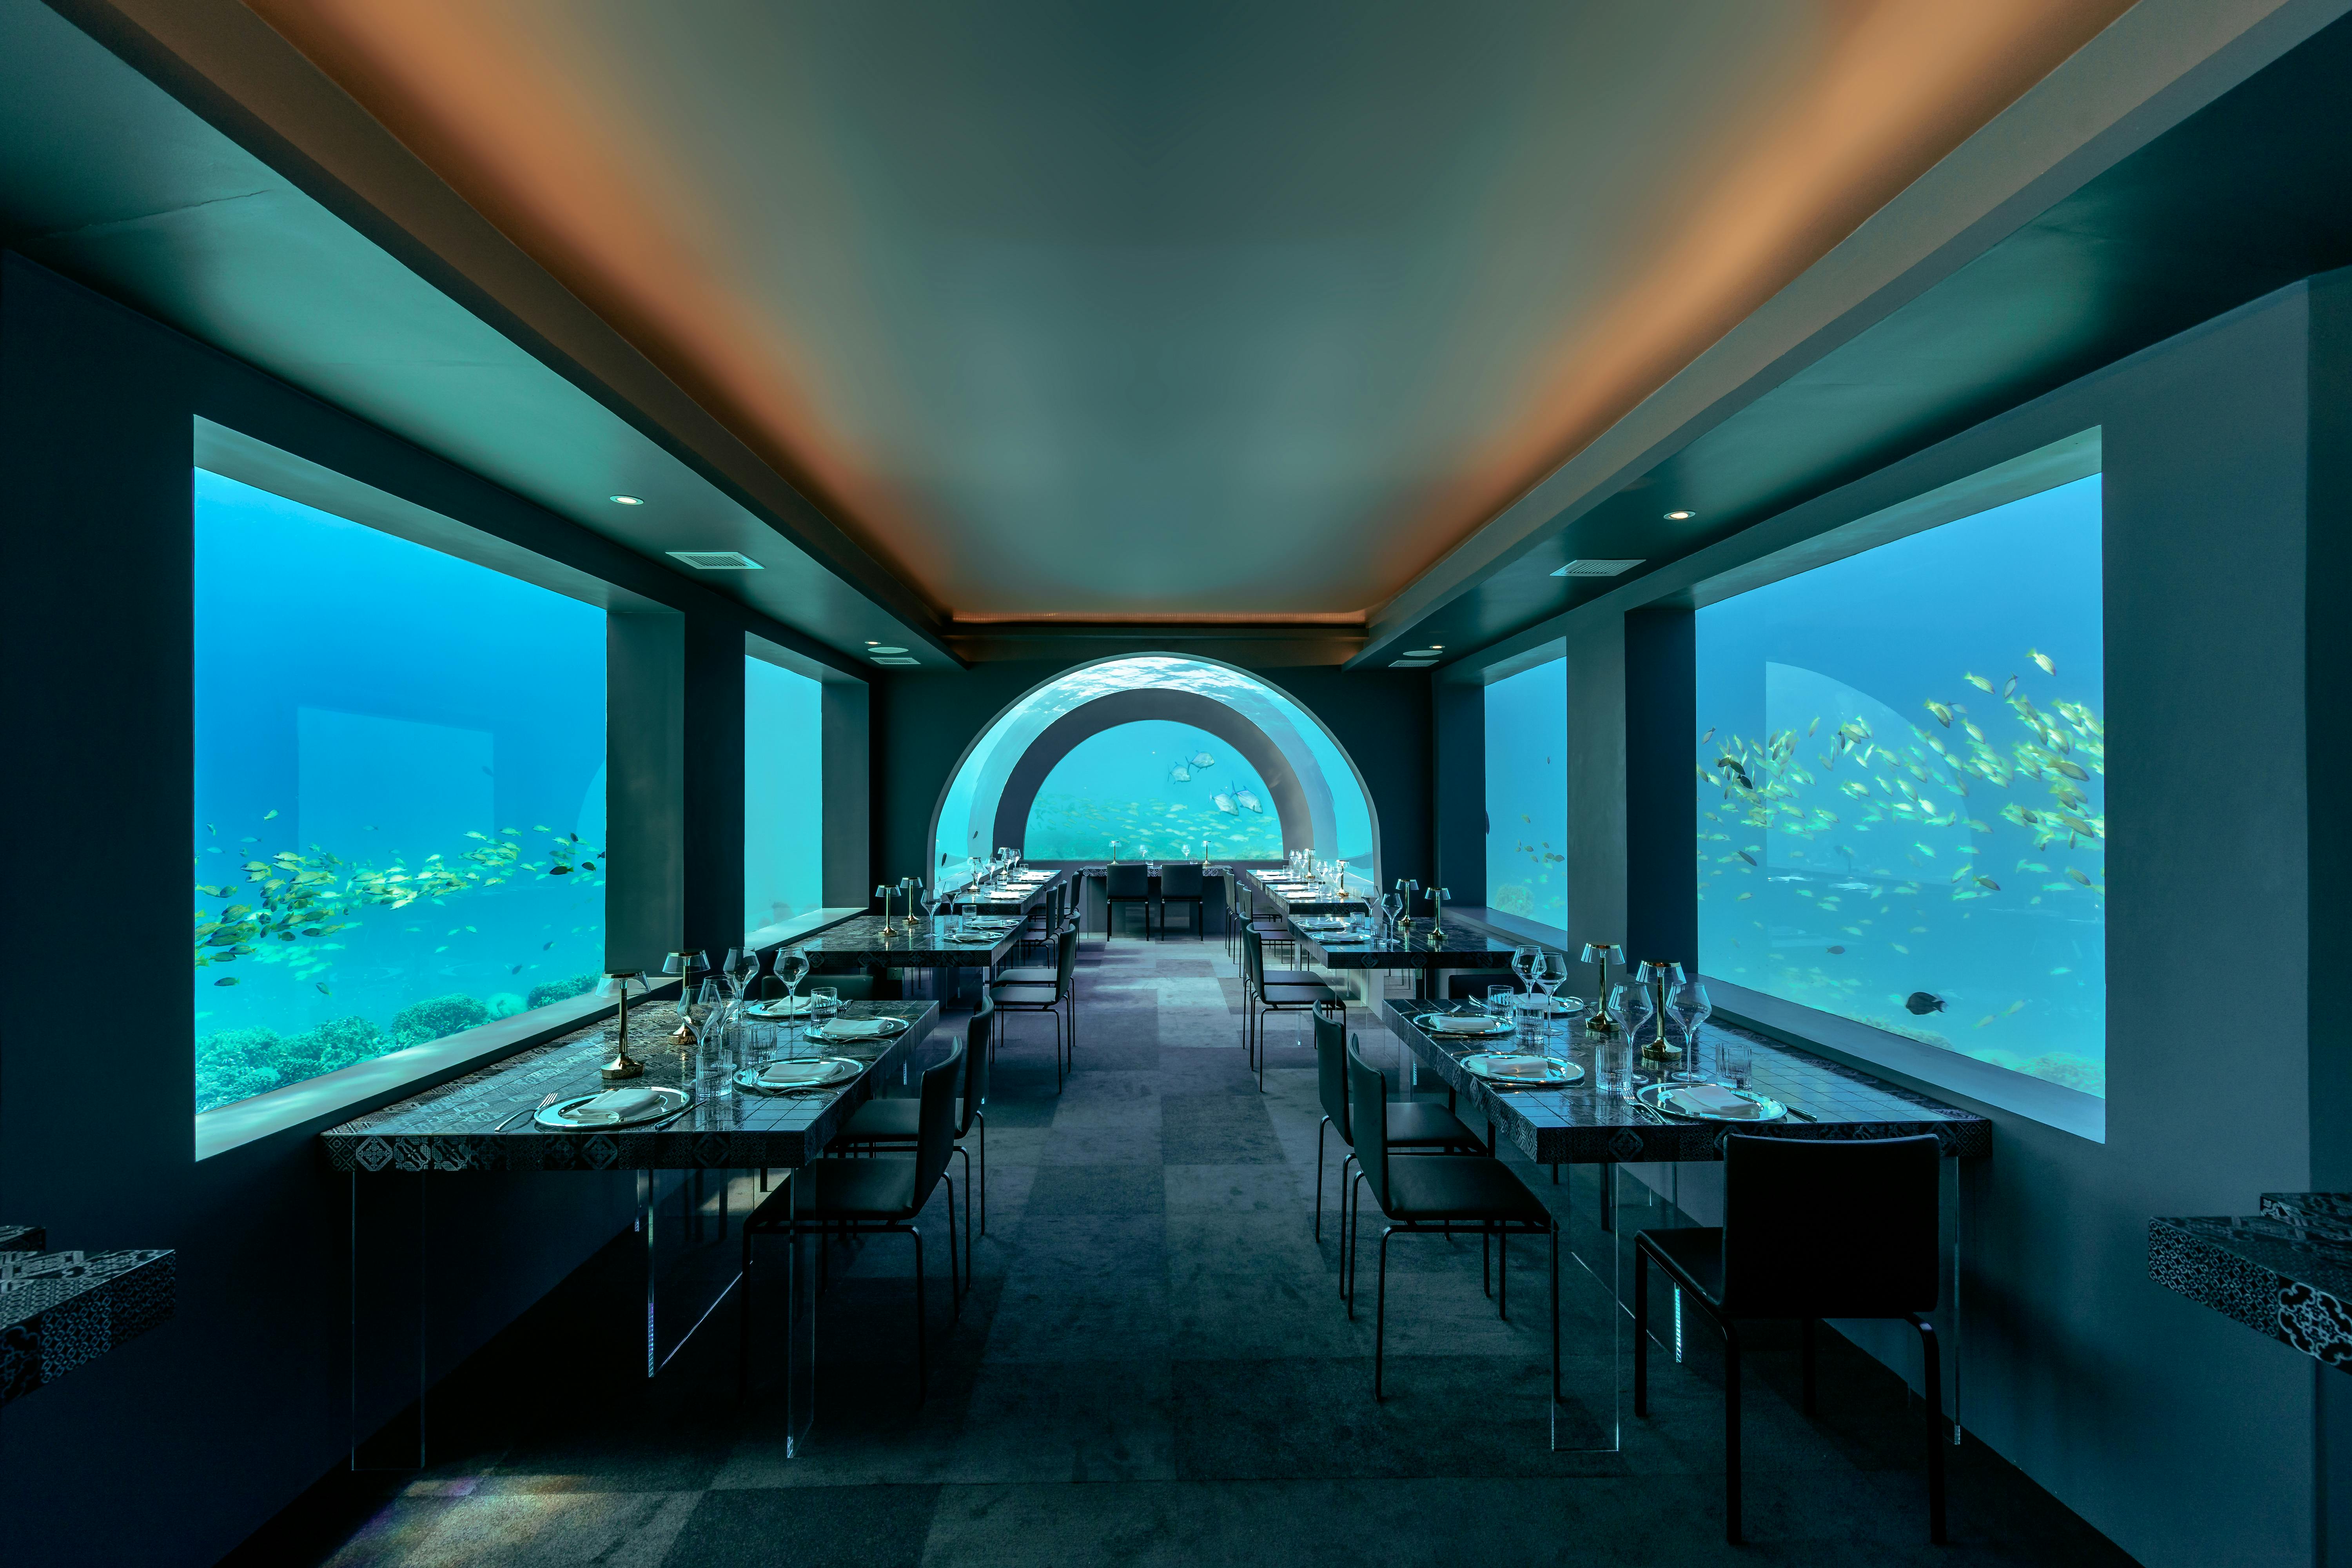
935, 1124
1331, 1064
1180, 881
1066, 962
1253, 961
1129, 879
767, 989
1818, 1228
863, 987
1367, 1114
1473, 983
975, 1063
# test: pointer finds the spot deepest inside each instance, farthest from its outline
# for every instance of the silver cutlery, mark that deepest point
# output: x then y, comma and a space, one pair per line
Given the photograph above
1800, 1115
534, 1110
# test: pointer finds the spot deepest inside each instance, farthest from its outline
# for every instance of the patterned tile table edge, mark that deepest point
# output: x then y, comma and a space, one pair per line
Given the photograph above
23, 1238
2247, 1271
450, 1128
63, 1312
1575, 1126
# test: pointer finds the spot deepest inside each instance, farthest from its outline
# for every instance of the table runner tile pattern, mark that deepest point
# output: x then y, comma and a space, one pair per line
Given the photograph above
2278, 1276
449, 1128
64, 1311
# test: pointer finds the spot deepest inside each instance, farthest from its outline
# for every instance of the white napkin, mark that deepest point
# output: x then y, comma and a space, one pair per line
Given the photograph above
613, 1105
1714, 1100
1517, 1066
861, 1028
779, 1007
797, 1075
1462, 1024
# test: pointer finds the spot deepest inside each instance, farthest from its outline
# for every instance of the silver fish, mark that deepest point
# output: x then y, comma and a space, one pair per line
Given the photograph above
1203, 759
1249, 802
1179, 773
1224, 802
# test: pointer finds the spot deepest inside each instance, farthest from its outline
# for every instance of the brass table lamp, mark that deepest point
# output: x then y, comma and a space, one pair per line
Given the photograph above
623, 1064
1604, 954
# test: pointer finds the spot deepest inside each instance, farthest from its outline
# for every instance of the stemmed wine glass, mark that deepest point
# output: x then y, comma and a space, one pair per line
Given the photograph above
1629, 1000
1548, 970
1393, 906
1523, 966
1688, 1005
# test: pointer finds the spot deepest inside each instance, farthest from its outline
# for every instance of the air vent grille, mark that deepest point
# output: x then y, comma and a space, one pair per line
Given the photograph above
716, 560
1596, 568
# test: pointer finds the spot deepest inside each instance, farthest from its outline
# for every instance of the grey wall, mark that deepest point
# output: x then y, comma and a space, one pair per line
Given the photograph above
173, 1449
2185, 1437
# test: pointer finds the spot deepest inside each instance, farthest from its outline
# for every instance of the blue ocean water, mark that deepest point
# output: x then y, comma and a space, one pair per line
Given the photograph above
783, 793
1902, 797
399, 792
1527, 793
1118, 791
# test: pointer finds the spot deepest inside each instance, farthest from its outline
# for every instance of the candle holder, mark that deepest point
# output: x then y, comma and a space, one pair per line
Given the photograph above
689, 967
1601, 954
1658, 976
623, 1064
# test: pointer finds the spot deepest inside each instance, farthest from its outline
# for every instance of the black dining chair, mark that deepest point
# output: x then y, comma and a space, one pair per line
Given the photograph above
1472, 983
1413, 1126
1128, 882
1012, 995
1280, 991
1437, 1195
1043, 919
836, 1196
1184, 884
1811, 1229
896, 1124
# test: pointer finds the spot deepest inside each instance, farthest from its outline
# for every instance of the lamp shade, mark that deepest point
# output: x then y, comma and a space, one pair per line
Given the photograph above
1602, 952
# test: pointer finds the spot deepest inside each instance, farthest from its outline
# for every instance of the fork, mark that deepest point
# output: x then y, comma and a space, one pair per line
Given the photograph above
534, 1110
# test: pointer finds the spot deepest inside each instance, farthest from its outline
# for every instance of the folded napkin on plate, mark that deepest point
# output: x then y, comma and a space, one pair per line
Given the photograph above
862, 1028
1713, 1100
613, 1105
1462, 1024
1517, 1066
797, 1075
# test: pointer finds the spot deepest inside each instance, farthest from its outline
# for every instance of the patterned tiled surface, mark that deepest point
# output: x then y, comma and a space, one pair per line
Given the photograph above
2285, 1277
62, 1309
449, 1128
1453, 947
1576, 1126
871, 942
23, 1238
1267, 898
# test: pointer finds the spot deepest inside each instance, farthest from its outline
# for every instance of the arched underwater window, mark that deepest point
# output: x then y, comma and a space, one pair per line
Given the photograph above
1155, 757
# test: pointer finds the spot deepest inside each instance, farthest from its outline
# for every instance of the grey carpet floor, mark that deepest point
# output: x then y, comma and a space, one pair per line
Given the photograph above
1154, 1366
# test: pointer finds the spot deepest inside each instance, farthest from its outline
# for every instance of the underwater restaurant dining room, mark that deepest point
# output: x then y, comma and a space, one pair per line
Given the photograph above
1154, 784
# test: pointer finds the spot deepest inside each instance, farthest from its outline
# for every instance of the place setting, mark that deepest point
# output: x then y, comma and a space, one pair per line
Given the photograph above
631, 1106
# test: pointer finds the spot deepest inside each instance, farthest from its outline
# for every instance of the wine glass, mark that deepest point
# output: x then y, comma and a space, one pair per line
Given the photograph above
1688, 1005
1523, 963
1629, 1001
1393, 906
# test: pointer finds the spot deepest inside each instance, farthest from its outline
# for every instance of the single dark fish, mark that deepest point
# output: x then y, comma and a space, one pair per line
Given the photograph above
1922, 1004
1837, 950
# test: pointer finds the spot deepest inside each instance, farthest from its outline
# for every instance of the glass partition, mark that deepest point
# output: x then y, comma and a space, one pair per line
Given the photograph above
783, 793
1152, 789
399, 792
1527, 793
1902, 814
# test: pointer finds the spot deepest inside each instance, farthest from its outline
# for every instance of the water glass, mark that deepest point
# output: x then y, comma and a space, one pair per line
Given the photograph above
1502, 1001
824, 1004
1735, 1059
1612, 1067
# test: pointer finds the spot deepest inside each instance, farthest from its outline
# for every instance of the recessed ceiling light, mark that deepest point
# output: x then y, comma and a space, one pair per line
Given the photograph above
898, 660
1594, 568
1411, 663
716, 560
871, 643
878, 649
1680, 516
626, 501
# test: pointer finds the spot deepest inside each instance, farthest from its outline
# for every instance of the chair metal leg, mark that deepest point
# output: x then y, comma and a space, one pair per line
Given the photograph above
1347, 1263
1380, 1313
1347, 1253
1320, 1128
1730, 1433
1640, 1332
1555, 1311
1503, 1275
1934, 1370
1485, 1264
1805, 1340
743, 1340
982, 1120
922, 1353
955, 1297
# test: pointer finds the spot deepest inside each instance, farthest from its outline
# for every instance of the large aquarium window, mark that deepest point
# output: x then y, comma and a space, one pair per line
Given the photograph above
399, 825
1152, 790
1527, 793
783, 793
1123, 743
1902, 814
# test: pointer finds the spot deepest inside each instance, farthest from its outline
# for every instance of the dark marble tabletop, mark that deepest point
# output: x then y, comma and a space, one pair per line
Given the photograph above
59, 1310
1287, 904
449, 1128
2285, 1272
871, 942
1453, 946
1006, 902
1576, 1126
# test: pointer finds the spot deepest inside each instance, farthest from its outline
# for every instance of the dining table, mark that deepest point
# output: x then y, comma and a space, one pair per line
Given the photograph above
1017, 895
506, 1117
870, 942
1419, 946
1286, 897
1570, 1125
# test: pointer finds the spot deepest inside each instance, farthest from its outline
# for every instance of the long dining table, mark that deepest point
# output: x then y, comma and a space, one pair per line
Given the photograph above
1420, 949
1574, 1126
486, 1121
1289, 899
